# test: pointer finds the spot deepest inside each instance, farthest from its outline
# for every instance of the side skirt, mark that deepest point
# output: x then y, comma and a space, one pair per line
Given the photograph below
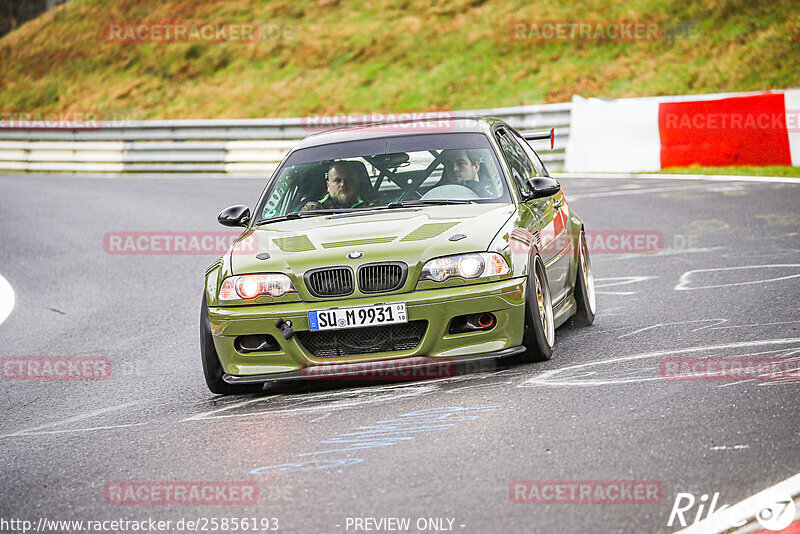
564, 309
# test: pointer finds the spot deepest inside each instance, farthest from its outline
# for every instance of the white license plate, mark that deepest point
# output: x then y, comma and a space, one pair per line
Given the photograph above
356, 317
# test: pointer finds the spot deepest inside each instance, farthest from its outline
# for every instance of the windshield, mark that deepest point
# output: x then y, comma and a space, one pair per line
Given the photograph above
385, 173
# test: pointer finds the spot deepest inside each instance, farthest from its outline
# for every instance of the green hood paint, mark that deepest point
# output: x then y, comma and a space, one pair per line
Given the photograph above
384, 235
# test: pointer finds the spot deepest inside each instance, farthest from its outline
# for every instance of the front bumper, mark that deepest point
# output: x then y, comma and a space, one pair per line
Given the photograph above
505, 299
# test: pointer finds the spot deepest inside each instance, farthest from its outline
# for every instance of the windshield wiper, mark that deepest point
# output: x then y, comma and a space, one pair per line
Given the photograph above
400, 204
312, 213
435, 202
300, 214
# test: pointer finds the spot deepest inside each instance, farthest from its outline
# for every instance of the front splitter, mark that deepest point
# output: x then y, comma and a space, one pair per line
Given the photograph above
398, 368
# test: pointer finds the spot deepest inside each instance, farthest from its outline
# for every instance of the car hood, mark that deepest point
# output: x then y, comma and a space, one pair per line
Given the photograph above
411, 235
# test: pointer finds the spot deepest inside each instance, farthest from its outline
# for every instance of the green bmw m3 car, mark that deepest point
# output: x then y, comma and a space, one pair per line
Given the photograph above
395, 245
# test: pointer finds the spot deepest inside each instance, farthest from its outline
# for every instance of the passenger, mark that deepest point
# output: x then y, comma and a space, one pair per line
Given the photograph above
462, 167
344, 189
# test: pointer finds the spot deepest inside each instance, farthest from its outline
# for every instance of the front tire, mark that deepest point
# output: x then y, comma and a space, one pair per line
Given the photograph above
211, 367
540, 335
584, 285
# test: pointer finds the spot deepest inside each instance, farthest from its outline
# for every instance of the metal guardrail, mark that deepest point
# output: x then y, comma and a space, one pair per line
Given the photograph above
235, 146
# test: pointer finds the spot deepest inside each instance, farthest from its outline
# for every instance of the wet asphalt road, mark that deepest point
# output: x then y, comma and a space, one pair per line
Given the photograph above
725, 284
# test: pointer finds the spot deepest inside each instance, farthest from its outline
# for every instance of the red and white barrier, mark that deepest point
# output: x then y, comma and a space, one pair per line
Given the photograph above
650, 134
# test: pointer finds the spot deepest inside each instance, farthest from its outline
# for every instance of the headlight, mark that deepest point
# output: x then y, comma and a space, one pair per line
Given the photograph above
250, 286
479, 265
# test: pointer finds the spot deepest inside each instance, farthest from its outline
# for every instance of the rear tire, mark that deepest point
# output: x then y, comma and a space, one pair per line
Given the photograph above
539, 337
212, 369
584, 285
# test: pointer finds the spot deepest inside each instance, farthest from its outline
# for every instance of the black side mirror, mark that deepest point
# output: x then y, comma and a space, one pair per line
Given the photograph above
234, 216
543, 186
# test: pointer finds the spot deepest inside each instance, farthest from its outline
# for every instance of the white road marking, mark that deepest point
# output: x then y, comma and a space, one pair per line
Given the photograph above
720, 321
508, 372
229, 407
320, 402
702, 177
68, 430
660, 254
744, 325
547, 378
620, 280
726, 448
775, 354
370, 395
478, 387
778, 383
641, 191
384, 394
646, 328
736, 383
324, 416
684, 281
73, 419
7, 299
614, 309
746, 510
657, 325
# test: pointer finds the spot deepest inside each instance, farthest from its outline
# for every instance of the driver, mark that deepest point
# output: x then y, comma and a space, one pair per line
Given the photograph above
344, 190
461, 167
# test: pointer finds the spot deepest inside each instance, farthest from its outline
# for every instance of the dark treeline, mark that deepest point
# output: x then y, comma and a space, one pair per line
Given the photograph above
14, 13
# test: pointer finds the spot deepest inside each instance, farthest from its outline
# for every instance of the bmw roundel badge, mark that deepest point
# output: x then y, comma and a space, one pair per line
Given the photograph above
355, 254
